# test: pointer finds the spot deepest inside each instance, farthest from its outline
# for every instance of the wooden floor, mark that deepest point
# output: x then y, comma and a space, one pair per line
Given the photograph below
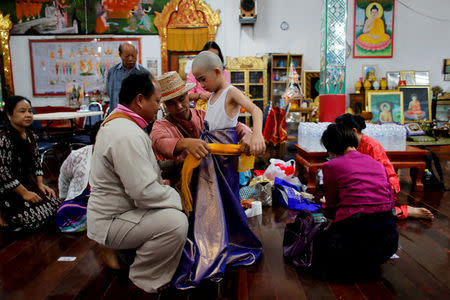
29, 268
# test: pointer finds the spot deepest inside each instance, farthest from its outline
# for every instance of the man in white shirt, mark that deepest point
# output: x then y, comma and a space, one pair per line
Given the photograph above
129, 206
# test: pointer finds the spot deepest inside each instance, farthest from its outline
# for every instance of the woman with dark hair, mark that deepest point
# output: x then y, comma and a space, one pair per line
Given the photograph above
198, 93
26, 204
373, 148
360, 199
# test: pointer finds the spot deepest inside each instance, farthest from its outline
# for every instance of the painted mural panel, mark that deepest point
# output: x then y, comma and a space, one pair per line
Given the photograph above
41, 17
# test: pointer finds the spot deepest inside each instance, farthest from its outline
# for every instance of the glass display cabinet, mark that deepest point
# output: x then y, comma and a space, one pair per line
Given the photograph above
249, 74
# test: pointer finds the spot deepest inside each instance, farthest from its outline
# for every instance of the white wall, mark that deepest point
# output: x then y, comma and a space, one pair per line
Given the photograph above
419, 42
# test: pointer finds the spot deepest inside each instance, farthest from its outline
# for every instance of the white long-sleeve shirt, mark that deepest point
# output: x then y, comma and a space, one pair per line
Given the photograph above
74, 173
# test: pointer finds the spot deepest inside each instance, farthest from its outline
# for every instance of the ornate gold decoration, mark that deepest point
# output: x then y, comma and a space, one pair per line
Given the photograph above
5, 27
248, 66
247, 62
184, 14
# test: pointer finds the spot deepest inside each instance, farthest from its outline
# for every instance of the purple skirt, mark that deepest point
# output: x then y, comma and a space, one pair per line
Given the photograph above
219, 235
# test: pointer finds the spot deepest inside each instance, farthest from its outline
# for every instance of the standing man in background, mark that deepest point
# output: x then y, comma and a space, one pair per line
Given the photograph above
128, 54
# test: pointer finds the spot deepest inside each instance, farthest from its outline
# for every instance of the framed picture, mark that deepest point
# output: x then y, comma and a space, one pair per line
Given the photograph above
408, 77
392, 79
185, 65
414, 129
386, 106
311, 82
152, 66
446, 69
422, 77
369, 71
86, 62
417, 103
373, 31
443, 110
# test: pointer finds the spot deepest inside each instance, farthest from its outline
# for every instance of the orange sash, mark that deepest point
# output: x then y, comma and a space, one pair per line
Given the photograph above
190, 163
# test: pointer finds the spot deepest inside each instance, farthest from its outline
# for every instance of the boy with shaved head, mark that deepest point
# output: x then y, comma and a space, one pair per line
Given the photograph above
226, 100
219, 235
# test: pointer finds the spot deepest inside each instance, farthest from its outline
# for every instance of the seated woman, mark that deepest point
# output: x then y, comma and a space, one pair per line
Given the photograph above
73, 185
358, 194
374, 37
26, 204
373, 148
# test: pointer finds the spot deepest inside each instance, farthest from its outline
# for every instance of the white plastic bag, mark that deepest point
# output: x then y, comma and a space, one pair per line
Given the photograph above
279, 168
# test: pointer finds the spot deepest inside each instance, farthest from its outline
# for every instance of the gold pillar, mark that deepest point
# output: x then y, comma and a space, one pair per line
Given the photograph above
5, 27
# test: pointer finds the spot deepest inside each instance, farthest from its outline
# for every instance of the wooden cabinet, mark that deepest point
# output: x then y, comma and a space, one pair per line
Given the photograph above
358, 103
249, 74
279, 72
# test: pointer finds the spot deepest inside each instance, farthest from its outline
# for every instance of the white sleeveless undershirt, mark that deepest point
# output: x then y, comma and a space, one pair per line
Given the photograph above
217, 116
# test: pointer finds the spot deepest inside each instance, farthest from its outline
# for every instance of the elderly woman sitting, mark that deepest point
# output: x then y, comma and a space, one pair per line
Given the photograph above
26, 204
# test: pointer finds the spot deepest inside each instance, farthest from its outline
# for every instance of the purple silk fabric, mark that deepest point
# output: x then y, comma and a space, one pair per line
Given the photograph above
219, 235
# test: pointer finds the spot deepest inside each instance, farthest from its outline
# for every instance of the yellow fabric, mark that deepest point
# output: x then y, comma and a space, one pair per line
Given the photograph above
376, 31
182, 39
201, 104
190, 163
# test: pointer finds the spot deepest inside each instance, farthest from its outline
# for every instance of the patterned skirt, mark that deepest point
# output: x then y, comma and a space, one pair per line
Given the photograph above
26, 216
71, 215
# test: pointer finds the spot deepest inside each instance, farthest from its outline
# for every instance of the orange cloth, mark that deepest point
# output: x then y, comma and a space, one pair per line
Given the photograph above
275, 129
190, 163
373, 148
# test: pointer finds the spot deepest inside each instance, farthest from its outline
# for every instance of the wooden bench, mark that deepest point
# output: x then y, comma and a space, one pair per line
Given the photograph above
412, 157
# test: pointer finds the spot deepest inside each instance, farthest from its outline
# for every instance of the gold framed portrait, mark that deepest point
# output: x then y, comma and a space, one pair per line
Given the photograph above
386, 106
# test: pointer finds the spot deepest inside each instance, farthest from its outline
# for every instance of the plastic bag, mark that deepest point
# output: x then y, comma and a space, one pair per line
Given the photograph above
279, 168
290, 196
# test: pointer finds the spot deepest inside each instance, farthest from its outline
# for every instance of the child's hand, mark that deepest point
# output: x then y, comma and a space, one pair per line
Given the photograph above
257, 144
245, 143
204, 96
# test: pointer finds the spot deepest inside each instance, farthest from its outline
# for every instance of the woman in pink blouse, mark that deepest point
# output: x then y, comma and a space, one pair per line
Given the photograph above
360, 198
373, 148
198, 93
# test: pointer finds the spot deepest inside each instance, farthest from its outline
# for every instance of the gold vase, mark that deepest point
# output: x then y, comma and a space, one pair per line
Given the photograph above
367, 85
383, 83
358, 86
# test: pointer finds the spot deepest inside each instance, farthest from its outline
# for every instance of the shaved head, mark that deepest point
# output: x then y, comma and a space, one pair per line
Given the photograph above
207, 61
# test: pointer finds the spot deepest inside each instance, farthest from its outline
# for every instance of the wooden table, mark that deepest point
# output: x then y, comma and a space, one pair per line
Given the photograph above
412, 157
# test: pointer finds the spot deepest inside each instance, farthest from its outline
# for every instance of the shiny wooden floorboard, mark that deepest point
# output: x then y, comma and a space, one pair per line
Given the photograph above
29, 268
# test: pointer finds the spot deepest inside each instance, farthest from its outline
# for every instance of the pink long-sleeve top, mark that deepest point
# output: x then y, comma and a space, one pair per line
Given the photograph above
166, 135
356, 183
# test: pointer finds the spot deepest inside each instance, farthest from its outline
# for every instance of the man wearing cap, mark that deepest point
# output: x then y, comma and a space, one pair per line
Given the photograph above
177, 134
128, 65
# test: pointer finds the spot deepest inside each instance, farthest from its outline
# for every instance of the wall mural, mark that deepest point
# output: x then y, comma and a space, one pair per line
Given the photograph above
55, 63
50, 17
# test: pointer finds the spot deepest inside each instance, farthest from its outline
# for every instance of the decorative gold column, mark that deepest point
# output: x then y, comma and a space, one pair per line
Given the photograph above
5, 27
184, 14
